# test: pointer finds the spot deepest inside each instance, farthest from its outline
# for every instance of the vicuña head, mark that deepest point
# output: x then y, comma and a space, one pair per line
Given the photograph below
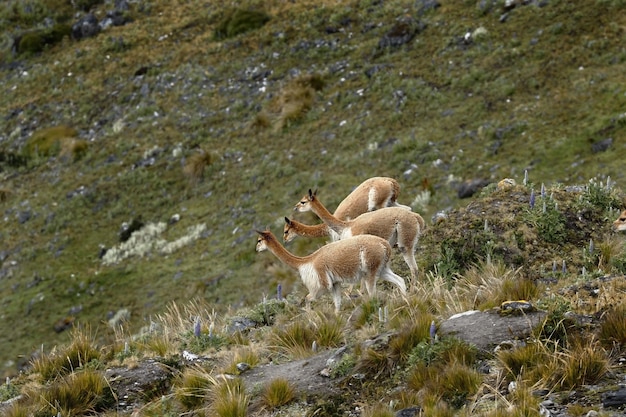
363, 257
400, 227
620, 224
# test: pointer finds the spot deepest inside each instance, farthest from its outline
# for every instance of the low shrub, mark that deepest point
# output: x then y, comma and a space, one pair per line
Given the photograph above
49, 141
239, 21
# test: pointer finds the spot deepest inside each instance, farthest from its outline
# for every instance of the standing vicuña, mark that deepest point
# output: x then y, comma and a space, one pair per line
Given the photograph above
398, 226
620, 223
372, 194
359, 258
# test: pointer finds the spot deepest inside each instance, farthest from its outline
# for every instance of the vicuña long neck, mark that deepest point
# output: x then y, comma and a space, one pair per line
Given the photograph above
283, 254
333, 222
307, 230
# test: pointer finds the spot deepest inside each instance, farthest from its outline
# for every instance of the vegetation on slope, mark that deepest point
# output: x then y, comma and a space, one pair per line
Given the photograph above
323, 94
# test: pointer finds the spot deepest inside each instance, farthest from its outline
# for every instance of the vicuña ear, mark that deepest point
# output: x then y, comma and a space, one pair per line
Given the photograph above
312, 193
287, 220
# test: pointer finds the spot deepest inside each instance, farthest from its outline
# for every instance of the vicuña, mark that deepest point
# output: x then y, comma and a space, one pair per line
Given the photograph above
363, 258
400, 227
620, 223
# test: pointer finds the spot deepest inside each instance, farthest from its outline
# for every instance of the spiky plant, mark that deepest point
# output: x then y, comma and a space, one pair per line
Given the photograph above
329, 329
491, 283
374, 362
457, 383
293, 340
297, 98
585, 363
523, 402
613, 327
192, 387
229, 399
195, 165
522, 361
407, 338
247, 355
47, 141
611, 254
277, 393
420, 375
76, 394
17, 409
367, 312
81, 351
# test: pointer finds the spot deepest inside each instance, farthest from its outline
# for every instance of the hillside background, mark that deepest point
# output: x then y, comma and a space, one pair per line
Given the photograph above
203, 122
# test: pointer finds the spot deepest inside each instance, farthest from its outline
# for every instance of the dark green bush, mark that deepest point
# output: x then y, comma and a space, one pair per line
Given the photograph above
36, 41
86, 5
239, 21
48, 141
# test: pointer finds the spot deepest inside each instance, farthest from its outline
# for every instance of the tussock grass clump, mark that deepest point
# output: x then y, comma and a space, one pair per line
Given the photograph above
613, 327
4, 194
367, 312
229, 399
17, 409
446, 350
278, 392
328, 329
454, 383
545, 364
76, 394
491, 283
246, 355
78, 354
401, 345
195, 165
585, 364
524, 360
192, 387
374, 362
294, 340
297, 98
611, 254
49, 141
36, 41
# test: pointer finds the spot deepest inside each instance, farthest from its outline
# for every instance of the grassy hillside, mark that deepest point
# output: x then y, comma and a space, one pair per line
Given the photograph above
171, 115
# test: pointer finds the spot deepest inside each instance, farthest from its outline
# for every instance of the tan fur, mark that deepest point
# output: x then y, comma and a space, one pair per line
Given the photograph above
359, 258
372, 194
620, 224
400, 227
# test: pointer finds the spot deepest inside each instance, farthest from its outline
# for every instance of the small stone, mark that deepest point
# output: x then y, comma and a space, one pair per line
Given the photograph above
242, 366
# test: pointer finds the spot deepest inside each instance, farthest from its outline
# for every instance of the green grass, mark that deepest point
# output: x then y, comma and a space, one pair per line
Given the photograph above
491, 109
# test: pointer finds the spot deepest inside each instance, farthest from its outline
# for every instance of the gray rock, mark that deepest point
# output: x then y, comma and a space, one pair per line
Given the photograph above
614, 398
487, 329
602, 146
130, 385
86, 27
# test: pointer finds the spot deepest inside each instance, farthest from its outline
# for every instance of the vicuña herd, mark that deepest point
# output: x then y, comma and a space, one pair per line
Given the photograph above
363, 230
